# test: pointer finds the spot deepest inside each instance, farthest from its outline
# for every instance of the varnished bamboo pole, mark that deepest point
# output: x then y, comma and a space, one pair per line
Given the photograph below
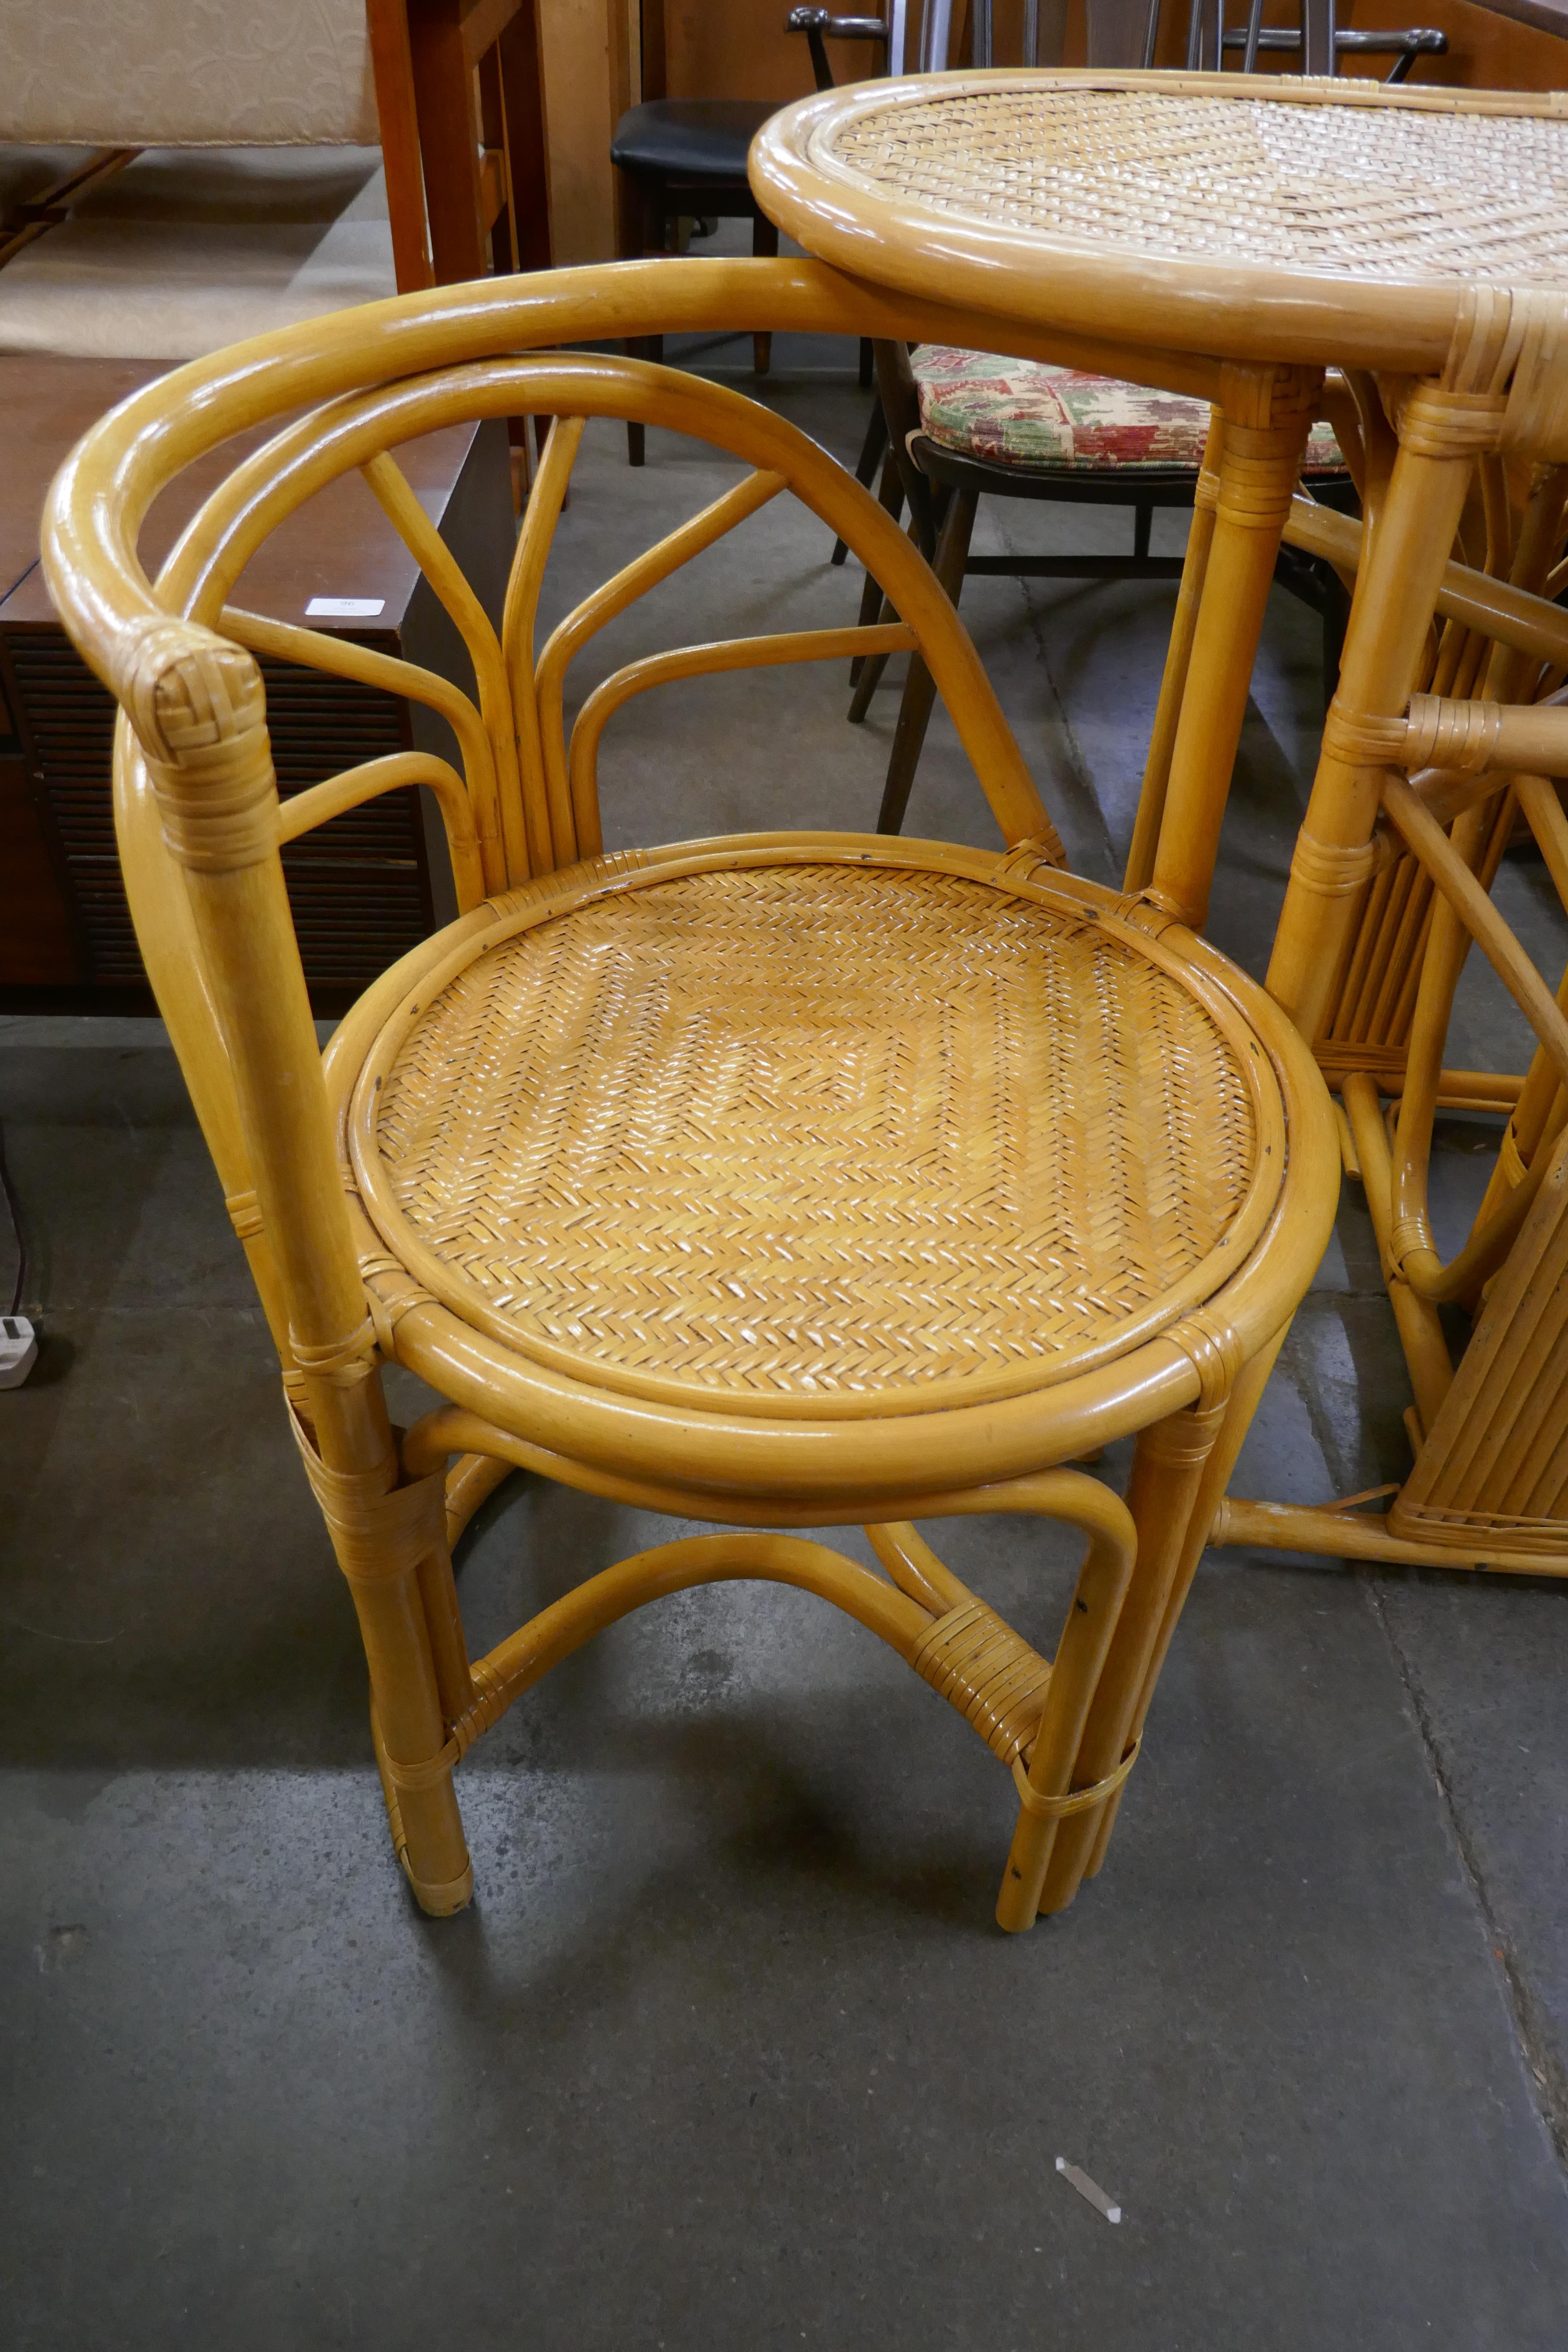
699, 661
547, 846
1397, 591
1268, 414
1178, 663
1057, 1760
1364, 1535
1213, 1472
1420, 1331
1166, 1468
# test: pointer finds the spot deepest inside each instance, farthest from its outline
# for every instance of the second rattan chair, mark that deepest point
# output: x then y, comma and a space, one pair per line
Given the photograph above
774, 1181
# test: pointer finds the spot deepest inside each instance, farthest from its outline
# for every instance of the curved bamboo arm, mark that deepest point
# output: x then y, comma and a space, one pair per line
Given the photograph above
541, 516
471, 1481
1440, 963
1495, 607
284, 641
700, 661
445, 574
1423, 1271
101, 495
320, 803
611, 598
1431, 845
452, 1429
914, 1567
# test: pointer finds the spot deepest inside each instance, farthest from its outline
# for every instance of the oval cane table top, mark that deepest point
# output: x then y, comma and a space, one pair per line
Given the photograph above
826, 1136
1255, 219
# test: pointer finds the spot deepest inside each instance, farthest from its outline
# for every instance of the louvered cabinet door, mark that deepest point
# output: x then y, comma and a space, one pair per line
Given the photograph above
366, 887
359, 886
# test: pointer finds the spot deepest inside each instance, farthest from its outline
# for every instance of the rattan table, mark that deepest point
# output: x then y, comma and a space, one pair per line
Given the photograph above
1272, 227
1415, 243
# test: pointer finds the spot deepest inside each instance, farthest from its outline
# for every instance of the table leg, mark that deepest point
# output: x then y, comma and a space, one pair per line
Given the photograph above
1267, 413
1395, 598
1178, 662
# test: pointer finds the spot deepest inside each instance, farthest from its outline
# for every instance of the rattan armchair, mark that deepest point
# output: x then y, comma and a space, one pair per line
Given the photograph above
771, 1181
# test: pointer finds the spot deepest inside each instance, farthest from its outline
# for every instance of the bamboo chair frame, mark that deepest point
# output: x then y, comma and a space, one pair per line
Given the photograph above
295, 1135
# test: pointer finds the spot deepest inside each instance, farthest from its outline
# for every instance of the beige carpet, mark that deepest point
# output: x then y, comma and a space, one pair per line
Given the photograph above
189, 248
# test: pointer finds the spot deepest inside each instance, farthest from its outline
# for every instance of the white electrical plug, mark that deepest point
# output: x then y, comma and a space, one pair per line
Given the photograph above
18, 1350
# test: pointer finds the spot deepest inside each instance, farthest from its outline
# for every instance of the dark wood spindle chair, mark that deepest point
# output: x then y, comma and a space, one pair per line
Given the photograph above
959, 425
685, 158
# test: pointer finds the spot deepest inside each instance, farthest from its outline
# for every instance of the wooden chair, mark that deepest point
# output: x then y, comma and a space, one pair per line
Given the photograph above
774, 1181
685, 158
959, 425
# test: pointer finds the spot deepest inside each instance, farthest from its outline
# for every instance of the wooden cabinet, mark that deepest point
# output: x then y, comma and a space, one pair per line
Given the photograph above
364, 887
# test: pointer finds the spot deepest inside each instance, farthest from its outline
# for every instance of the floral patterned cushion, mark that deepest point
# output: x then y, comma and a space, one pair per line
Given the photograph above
1018, 410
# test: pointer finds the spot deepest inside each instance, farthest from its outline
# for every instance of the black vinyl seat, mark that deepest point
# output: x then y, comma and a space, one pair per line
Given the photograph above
689, 138
685, 158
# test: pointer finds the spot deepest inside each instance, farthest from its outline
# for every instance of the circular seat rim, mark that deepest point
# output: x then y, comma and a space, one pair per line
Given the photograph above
1188, 963
1240, 309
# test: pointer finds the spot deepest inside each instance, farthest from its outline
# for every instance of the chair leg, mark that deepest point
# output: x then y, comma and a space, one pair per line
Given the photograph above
643, 229
866, 363
390, 1544
1178, 662
871, 448
764, 247
1180, 1472
641, 347
920, 686
1143, 521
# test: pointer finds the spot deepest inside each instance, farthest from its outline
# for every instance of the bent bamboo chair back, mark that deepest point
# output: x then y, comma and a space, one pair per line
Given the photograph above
198, 815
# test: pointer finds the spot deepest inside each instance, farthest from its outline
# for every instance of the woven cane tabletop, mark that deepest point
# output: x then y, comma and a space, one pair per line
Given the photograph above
1206, 206
825, 1139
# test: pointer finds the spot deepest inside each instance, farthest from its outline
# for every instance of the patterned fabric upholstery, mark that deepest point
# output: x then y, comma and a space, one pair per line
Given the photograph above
187, 73
1019, 412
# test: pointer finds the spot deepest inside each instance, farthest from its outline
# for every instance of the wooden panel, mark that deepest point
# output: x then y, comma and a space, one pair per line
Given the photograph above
341, 545
580, 91
714, 50
1487, 50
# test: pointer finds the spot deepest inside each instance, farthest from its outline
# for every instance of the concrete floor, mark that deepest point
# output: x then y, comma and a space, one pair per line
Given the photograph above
728, 2052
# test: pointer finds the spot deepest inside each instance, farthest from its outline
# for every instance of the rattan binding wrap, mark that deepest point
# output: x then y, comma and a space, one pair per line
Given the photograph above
997, 1683
1337, 188
822, 1136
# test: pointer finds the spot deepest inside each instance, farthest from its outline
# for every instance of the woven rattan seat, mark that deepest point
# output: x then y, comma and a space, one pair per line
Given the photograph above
1186, 178
829, 1137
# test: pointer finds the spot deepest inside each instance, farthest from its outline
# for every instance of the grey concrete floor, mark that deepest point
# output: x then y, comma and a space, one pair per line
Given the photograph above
728, 2051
